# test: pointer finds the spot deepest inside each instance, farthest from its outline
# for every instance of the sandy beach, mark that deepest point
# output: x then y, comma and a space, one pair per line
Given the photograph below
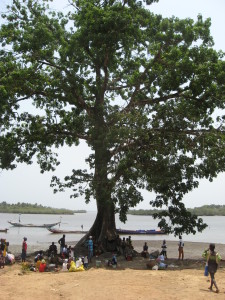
131, 280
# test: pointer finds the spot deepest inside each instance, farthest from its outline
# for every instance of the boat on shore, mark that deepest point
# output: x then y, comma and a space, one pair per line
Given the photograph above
119, 231
16, 224
60, 231
4, 230
140, 231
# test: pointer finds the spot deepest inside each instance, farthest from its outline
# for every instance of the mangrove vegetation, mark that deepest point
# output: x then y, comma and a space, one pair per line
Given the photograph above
205, 210
27, 208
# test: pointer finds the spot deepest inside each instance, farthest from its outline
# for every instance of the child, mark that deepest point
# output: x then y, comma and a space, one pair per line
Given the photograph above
86, 262
113, 261
164, 251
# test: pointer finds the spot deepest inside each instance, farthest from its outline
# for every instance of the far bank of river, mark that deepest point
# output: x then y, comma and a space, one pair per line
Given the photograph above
41, 236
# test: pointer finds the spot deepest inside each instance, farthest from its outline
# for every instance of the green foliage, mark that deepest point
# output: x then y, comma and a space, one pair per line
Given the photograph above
146, 94
27, 208
205, 210
208, 210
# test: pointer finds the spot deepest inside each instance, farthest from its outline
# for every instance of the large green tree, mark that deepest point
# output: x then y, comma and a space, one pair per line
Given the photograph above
145, 93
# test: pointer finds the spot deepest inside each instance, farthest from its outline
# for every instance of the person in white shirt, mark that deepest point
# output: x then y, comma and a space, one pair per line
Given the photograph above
181, 248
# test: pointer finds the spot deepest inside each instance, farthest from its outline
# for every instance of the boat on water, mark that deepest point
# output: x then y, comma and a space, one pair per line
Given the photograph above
119, 231
140, 231
59, 231
4, 230
16, 224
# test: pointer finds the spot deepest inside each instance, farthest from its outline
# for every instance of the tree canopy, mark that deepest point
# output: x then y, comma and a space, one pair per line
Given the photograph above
145, 93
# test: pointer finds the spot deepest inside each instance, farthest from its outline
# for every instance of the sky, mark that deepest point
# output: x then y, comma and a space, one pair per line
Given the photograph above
27, 184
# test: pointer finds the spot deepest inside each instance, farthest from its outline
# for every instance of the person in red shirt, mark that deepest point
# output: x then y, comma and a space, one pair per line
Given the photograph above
24, 249
42, 266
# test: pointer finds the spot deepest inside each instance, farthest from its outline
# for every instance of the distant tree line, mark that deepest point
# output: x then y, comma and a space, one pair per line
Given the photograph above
27, 208
205, 210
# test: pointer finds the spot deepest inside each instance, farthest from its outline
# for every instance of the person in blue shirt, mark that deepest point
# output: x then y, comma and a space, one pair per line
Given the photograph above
90, 248
113, 261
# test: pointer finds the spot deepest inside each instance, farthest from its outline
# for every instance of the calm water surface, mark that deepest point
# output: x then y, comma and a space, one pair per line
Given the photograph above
41, 236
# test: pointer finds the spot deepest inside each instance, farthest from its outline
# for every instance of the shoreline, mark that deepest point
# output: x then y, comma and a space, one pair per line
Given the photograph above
192, 250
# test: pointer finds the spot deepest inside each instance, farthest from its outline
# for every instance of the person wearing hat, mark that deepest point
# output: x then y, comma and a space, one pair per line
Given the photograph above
24, 249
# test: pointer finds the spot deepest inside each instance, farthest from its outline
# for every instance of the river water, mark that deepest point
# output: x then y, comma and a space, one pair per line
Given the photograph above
214, 233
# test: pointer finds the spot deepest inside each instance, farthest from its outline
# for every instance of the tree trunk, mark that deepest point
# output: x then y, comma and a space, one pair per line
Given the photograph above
104, 228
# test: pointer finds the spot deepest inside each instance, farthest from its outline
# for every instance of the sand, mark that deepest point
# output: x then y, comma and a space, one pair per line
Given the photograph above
131, 280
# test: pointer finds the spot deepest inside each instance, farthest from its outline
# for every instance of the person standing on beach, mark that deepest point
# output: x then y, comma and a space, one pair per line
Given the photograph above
164, 249
24, 249
181, 248
145, 253
90, 248
213, 261
62, 243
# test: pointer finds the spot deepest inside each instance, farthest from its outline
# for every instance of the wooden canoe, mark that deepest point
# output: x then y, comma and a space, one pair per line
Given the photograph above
33, 225
60, 231
140, 231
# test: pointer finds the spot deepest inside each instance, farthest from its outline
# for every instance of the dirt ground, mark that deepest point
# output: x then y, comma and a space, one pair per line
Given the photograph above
130, 280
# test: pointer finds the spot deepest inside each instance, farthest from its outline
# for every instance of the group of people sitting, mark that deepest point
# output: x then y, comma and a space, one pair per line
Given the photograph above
127, 248
5, 256
3, 249
117, 246
163, 252
74, 264
40, 261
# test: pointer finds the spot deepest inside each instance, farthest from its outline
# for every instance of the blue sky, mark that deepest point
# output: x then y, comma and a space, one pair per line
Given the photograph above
27, 184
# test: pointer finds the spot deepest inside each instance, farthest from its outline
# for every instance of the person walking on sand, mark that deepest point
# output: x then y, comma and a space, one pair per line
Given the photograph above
213, 261
181, 248
24, 250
